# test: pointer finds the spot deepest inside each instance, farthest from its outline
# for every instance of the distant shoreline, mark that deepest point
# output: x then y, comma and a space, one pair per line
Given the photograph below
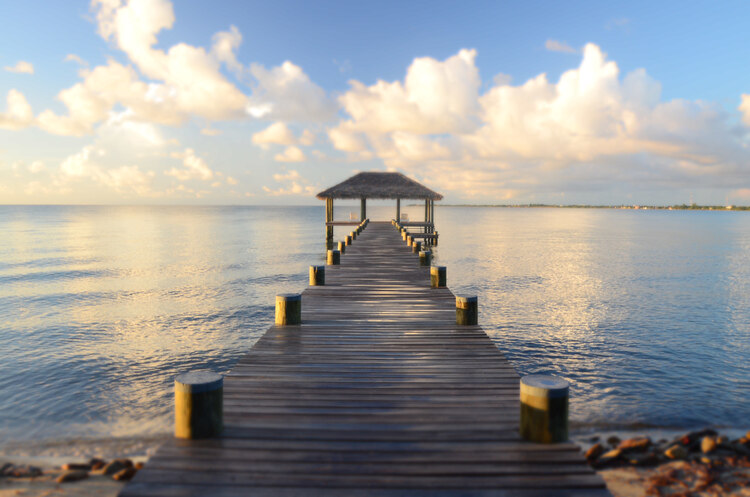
683, 207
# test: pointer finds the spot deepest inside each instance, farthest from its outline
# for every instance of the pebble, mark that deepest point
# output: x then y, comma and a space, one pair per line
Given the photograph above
708, 444
594, 451
70, 476
125, 474
676, 452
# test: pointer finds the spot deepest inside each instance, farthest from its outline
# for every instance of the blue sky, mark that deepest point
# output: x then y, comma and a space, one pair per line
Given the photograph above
269, 102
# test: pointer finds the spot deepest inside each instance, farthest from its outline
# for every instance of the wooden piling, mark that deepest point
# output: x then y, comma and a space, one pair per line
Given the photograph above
198, 405
438, 278
425, 257
544, 408
317, 275
333, 258
342, 247
416, 246
289, 308
349, 239
466, 310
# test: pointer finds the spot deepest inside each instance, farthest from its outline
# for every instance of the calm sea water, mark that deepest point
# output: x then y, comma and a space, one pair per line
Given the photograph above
647, 313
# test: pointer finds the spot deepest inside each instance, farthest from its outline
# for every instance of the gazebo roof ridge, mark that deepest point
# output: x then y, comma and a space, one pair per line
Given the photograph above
379, 185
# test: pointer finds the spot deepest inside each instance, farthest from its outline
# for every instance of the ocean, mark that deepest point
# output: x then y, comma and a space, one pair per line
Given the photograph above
646, 313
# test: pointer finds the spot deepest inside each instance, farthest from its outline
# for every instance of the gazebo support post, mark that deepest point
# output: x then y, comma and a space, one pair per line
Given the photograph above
432, 215
363, 209
398, 210
426, 211
329, 219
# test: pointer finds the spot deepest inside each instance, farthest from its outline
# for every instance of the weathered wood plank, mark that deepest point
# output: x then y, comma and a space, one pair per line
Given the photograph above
377, 392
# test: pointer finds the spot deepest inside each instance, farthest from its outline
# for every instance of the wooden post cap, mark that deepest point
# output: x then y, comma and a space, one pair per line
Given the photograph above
438, 277
467, 310
289, 308
342, 247
317, 275
544, 408
333, 258
199, 405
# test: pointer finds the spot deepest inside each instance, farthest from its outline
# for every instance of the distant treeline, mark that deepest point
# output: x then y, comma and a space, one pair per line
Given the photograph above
694, 207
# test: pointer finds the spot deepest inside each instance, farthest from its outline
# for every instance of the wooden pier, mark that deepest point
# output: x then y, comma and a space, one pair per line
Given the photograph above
379, 393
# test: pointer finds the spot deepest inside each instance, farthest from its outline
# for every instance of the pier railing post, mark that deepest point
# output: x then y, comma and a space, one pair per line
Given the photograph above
544, 408
438, 277
342, 247
466, 310
348, 239
289, 309
198, 405
333, 258
317, 275
416, 246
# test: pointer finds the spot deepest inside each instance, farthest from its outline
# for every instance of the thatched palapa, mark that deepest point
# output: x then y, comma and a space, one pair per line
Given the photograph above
380, 186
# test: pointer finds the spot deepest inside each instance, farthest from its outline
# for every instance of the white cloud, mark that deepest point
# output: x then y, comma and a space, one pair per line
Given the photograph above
210, 132
195, 167
559, 46
84, 165
286, 93
307, 138
592, 125
745, 109
277, 133
21, 67
290, 154
292, 184
18, 114
71, 57
36, 167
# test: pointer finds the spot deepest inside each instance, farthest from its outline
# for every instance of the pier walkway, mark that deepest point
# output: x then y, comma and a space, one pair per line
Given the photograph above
377, 393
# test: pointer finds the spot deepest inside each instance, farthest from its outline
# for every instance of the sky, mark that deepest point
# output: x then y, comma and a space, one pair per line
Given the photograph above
240, 102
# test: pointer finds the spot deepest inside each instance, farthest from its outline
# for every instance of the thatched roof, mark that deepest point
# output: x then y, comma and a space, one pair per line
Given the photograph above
380, 185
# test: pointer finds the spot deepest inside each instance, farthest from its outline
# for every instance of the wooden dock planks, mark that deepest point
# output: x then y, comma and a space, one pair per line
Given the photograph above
379, 393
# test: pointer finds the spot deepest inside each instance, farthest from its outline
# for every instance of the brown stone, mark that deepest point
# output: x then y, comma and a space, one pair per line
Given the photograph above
607, 459
75, 475
647, 459
125, 474
13, 471
594, 451
708, 444
72, 466
138, 465
114, 467
638, 444
613, 441
676, 452
99, 464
